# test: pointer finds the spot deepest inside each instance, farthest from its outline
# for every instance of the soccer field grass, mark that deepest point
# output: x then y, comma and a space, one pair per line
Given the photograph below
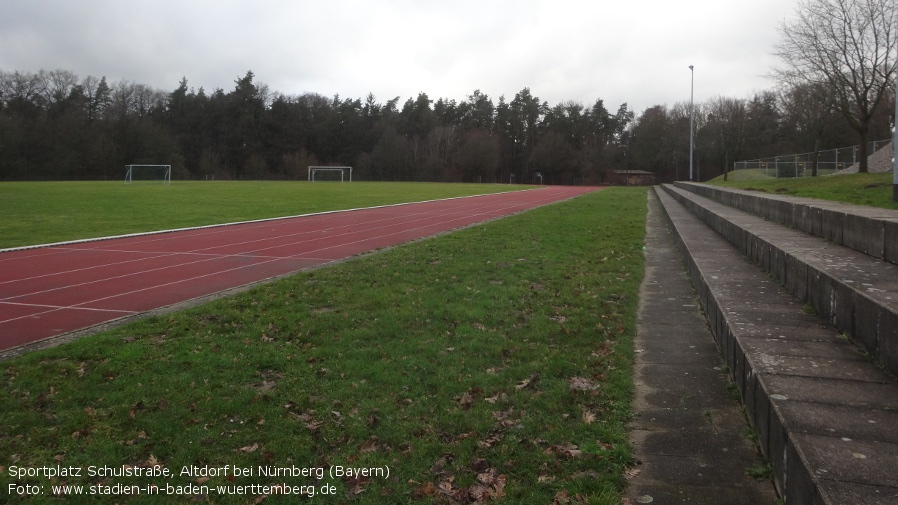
45, 212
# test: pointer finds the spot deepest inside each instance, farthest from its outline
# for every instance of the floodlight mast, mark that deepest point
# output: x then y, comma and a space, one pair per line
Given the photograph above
895, 128
691, 116
895, 132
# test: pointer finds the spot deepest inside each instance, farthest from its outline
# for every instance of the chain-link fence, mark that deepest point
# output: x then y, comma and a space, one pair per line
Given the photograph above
801, 165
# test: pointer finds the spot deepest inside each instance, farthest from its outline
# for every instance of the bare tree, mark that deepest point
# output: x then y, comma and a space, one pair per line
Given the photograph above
727, 122
846, 46
442, 145
22, 87
59, 85
810, 109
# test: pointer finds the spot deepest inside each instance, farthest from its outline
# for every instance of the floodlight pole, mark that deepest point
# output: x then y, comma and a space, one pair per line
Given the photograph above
691, 116
895, 146
895, 135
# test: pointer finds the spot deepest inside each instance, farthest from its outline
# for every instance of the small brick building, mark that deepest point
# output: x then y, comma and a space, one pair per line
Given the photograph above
629, 178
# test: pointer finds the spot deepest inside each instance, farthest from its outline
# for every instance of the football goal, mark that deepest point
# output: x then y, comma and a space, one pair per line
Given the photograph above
158, 174
330, 174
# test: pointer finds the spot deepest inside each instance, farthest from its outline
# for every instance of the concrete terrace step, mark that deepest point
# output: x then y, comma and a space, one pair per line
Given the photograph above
688, 432
825, 415
855, 292
869, 230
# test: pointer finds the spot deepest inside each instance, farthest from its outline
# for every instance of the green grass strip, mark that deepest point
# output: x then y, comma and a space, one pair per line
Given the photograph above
874, 190
46, 212
489, 364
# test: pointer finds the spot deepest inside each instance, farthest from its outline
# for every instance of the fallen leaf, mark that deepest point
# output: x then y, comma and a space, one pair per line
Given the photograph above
499, 487
357, 485
265, 386
369, 445
438, 468
588, 417
249, 448
490, 441
494, 399
582, 384
565, 450
465, 400
427, 489
447, 486
561, 498
478, 492
528, 383
137, 407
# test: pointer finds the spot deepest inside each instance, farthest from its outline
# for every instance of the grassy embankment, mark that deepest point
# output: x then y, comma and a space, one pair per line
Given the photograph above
491, 362
874, 190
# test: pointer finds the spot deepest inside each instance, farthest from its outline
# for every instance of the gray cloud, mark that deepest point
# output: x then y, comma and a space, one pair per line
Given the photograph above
635, 51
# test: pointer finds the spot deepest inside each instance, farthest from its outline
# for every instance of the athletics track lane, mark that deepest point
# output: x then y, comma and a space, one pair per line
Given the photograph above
53, 290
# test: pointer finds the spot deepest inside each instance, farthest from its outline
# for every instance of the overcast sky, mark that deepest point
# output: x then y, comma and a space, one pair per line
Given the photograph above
635, 51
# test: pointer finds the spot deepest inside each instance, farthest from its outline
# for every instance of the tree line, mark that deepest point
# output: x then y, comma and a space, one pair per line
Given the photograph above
54, 125
57, 126
767, 124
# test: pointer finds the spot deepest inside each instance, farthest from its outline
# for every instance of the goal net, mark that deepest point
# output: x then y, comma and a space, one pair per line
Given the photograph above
341, 174
158, 174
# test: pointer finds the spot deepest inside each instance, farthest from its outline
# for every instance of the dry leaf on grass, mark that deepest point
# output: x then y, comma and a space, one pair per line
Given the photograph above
528, 383
582, 384
465, 400
369, 445
567, 451
588, 417
249, 448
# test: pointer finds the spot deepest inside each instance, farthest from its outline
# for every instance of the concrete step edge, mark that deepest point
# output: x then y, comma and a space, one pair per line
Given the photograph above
803, 472
870, 230
870, 320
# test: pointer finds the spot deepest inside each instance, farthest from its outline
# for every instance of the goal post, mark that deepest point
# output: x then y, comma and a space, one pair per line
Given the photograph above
334, 171
160, 174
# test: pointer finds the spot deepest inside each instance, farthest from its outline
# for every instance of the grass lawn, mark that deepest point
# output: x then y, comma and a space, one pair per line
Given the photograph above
490, 364
874, 190
45, 212
761, 174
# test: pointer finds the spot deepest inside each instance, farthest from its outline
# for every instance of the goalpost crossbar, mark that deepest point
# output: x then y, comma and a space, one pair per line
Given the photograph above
155, 173
314, 169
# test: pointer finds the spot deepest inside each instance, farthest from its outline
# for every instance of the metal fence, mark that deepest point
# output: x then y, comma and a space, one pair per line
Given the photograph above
801, 165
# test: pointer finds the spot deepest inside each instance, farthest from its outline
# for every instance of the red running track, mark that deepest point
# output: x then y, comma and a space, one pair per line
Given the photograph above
53, 290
